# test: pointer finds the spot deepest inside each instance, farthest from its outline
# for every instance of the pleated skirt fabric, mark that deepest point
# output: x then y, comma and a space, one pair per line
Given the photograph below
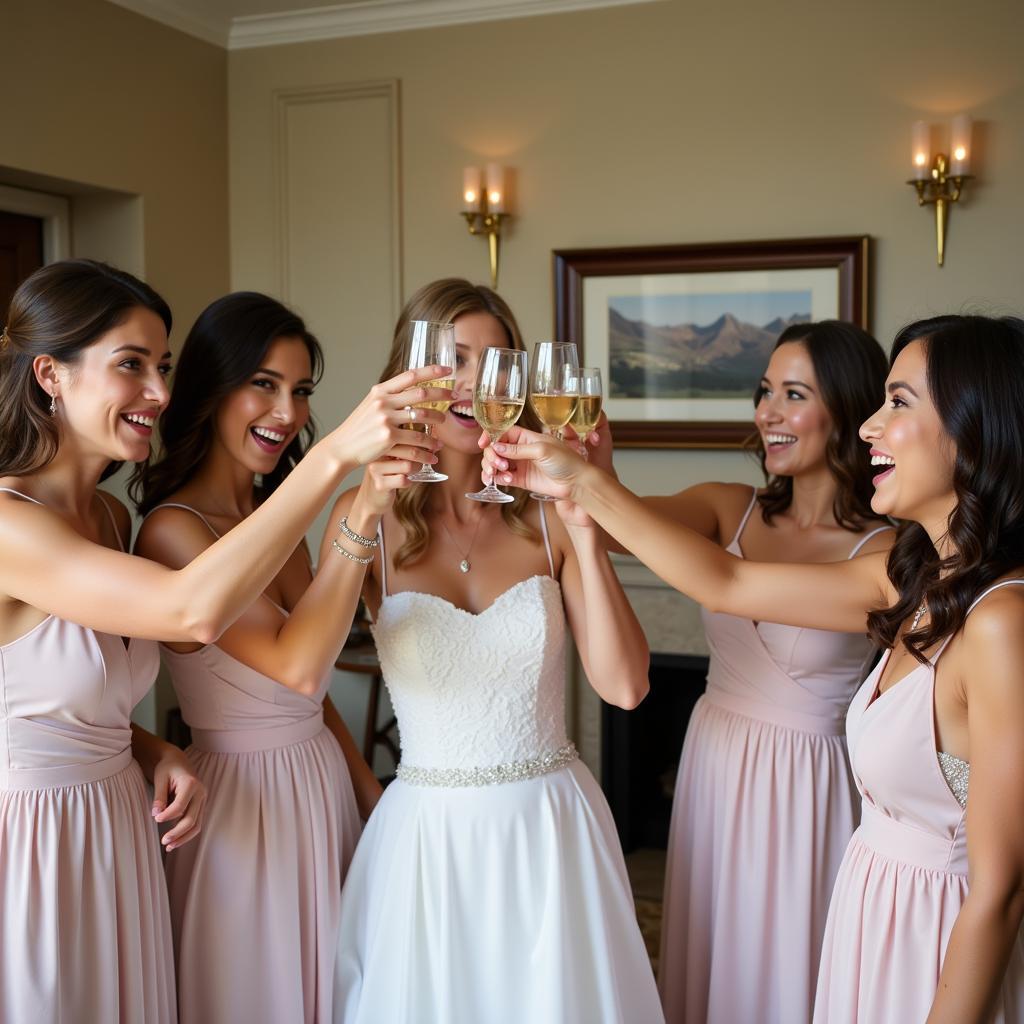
85, 932
255, 899
761, 818
500, 904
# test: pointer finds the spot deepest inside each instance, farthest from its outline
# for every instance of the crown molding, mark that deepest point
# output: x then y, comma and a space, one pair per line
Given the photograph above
206, 26
370, 17
356, 18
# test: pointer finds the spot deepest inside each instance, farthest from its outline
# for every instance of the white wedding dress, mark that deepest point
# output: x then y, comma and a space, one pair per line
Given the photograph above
489, 885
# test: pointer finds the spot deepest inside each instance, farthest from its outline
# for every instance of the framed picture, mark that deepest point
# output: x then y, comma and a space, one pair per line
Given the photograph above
682, 333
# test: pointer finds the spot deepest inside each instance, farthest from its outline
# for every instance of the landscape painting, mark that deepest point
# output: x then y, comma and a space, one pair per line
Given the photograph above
683, 334
696, 346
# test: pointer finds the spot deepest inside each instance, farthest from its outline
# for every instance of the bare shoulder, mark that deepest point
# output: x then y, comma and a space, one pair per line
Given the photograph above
881, 542
997, 620
173, 536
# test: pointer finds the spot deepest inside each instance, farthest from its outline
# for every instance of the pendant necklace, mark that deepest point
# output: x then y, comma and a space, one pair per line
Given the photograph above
464, 565
919, 614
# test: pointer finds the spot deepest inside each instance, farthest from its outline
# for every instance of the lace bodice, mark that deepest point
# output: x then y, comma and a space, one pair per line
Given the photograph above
469, 690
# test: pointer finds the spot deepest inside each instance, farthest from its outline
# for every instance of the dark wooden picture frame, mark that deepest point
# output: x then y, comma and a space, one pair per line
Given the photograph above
847, 255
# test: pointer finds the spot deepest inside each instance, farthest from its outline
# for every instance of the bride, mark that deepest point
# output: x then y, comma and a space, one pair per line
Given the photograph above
489, 885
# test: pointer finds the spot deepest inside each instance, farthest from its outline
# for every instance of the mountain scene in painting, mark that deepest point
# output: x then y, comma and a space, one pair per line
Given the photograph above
723, 358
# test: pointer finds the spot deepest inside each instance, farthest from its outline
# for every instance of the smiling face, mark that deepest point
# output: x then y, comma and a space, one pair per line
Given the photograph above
257, 421
474, 332
791, 416
909, 447
110, 398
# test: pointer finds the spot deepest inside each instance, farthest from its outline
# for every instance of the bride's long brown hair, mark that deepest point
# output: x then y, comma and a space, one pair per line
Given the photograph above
444, 301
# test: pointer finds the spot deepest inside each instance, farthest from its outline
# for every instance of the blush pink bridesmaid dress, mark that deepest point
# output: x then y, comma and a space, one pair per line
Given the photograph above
84, 928
764, 808
256, 898
904, 877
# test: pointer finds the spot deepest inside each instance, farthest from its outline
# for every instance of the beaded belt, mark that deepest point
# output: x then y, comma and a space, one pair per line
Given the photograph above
512, 771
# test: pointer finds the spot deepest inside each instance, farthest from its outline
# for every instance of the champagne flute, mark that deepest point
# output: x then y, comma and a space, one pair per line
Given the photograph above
498, 398
430, 343
555, 364
588, 406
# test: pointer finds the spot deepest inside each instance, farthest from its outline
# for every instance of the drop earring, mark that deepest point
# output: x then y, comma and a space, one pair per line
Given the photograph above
53, 405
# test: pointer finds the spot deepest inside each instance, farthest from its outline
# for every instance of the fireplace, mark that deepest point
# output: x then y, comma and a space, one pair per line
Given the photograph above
640, 750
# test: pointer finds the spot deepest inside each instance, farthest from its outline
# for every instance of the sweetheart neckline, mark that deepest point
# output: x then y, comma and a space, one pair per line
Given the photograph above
458, 608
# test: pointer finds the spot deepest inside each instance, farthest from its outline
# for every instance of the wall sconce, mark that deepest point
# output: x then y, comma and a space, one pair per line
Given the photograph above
939, 182
484, 209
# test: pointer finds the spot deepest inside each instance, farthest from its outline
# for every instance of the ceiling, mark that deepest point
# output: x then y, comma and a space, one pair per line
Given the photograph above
240, 24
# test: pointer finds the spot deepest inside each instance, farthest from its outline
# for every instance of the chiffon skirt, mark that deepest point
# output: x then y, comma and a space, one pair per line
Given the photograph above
888, 927
762, 816
255, 899
84, 929
505, 904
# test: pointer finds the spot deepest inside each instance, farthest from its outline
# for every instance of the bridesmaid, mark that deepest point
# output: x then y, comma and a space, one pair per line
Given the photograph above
764, 787
489, 885
85, 932
276, 758
925, 921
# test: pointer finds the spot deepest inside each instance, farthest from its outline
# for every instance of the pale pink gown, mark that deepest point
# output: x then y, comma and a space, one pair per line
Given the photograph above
256, 898
764, 807
84, 929
904, 877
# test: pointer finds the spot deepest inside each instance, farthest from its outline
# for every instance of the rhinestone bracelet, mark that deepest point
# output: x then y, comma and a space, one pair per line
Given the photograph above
348, 554
512, 771
358, 538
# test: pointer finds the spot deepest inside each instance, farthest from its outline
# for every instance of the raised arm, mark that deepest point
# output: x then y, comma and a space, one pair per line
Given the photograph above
300, 648
610, 640
835, 596
118, 593
988, 925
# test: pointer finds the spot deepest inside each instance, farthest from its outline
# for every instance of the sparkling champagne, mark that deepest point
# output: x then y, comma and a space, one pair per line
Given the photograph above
586, 414
554, 411
442, 405
496, 415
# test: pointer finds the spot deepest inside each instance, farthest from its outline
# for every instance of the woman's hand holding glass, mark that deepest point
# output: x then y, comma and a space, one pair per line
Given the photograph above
524, 458
499, 394
375, 424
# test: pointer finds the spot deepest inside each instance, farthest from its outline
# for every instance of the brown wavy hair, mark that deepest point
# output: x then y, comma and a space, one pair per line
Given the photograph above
850, 368
975, 374
444, 301
58, 311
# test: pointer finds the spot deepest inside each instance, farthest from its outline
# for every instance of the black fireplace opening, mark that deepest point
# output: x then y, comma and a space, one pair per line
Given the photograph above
640, 750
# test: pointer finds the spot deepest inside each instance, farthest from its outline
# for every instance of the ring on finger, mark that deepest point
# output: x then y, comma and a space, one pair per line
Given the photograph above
412, 413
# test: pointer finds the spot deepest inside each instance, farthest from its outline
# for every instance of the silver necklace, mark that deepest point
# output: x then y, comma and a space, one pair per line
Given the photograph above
464, 565
919, 614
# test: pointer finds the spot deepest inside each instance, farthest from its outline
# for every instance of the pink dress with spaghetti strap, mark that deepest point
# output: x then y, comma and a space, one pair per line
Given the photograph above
256, 898
764, 807
904, 877
84, 931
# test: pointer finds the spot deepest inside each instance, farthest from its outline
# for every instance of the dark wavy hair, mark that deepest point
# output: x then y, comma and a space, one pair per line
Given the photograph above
850, 368
58, 311
975, 374
225, 347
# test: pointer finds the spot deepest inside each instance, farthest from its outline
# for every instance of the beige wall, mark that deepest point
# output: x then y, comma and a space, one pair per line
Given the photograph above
674, 122
98, 98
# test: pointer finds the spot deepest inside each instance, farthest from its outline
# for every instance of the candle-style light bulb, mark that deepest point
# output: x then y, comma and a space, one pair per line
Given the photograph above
471, 190
495, 188
960, 149
920, 150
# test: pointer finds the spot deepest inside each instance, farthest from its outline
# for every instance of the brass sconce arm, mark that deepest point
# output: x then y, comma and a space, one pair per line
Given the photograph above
940, 190
488, 224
